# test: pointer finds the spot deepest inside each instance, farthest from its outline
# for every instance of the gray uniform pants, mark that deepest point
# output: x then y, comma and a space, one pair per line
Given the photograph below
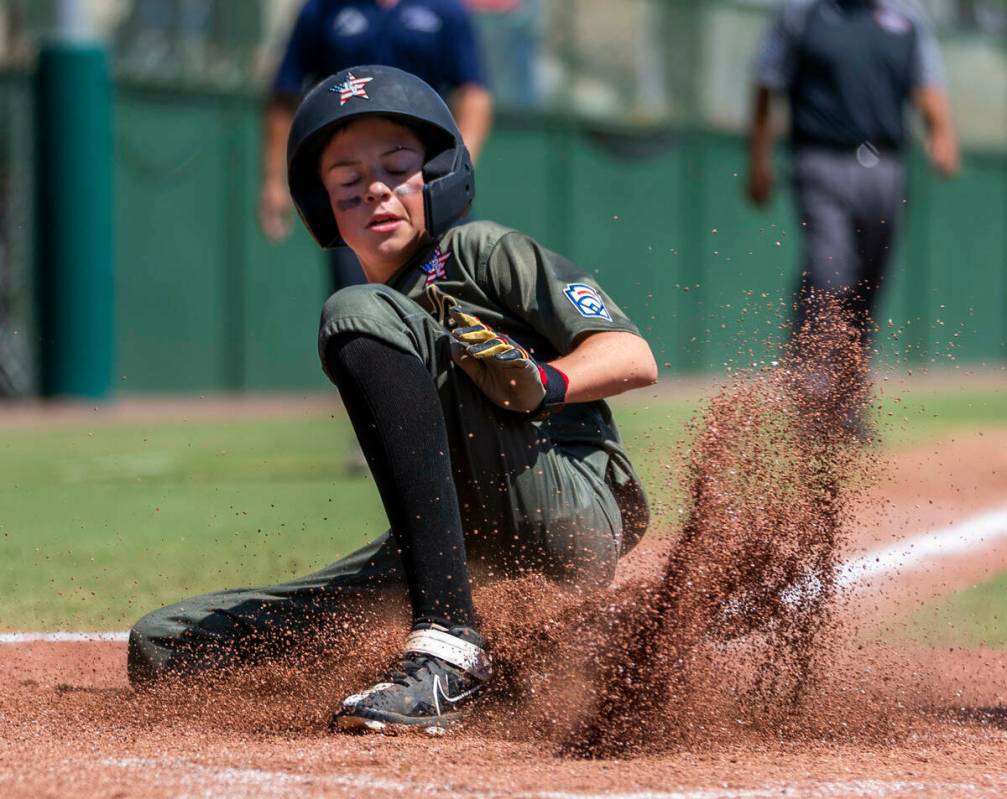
527, 503
851, 205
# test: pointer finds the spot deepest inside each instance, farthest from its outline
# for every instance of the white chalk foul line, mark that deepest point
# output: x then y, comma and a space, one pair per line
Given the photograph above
820, 790
189, 774
954, 539
60, 637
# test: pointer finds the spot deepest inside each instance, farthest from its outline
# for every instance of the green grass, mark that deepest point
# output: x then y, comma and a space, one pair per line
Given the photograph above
100, 523
966, 619
909, 417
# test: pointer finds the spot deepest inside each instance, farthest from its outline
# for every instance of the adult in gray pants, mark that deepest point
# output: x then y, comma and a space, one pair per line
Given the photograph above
848, 69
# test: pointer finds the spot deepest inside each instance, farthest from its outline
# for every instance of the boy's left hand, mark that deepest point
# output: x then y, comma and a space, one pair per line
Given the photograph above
503, 369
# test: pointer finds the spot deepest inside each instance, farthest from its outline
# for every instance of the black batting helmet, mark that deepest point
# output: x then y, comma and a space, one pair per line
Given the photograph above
449, 182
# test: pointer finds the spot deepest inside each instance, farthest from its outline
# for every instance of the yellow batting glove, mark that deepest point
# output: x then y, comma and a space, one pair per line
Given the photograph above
504, 370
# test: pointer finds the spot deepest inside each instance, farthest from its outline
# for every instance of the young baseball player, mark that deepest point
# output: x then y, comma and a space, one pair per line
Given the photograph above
473, 366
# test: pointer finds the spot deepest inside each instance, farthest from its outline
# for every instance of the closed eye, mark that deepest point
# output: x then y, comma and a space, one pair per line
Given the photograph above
402, 161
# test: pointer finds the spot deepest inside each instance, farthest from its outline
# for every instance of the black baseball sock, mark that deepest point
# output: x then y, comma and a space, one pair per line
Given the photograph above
396, 413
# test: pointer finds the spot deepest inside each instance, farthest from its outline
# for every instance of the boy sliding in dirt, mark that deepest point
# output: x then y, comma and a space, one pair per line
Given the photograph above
473, 366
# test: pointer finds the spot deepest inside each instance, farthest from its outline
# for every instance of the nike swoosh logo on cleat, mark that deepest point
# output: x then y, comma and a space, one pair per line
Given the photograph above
439, 689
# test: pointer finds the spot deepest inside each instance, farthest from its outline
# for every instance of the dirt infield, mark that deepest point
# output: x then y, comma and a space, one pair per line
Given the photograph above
881, 721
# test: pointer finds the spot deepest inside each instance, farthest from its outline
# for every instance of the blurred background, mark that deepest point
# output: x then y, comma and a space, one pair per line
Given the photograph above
619, 140
133, 267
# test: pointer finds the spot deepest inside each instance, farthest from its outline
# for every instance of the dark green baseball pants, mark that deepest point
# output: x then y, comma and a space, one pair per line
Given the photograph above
528, 503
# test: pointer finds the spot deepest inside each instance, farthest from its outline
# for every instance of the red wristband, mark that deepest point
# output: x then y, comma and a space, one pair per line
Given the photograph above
556, 384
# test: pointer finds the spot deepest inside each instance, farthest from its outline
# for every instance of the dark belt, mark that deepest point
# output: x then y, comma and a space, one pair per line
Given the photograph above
882, 148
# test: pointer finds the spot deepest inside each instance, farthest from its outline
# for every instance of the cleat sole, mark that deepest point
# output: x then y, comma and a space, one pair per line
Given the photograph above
361, 725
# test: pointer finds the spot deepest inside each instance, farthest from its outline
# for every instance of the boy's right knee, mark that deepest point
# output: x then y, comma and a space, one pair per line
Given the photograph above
372, 310
350, 300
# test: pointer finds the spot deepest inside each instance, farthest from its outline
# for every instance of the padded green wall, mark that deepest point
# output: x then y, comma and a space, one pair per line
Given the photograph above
710, 280
205, 303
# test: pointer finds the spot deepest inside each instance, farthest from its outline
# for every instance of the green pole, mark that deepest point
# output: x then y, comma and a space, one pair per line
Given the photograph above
76, 272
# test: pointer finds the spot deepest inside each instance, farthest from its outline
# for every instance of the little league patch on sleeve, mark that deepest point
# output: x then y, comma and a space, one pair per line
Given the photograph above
587, 301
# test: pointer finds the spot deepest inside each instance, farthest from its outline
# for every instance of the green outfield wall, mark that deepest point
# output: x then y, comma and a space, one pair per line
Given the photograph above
205, 303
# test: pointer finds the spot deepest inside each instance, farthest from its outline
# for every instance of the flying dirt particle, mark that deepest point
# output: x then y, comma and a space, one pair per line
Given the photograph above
771, 476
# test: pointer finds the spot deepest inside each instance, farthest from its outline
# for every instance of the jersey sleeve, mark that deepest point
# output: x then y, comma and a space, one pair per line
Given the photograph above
299, 65
928, 66
774, 62
466, 62
550, 294
777, 55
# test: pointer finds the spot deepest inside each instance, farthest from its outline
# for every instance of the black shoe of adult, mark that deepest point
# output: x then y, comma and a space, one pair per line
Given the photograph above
442, 672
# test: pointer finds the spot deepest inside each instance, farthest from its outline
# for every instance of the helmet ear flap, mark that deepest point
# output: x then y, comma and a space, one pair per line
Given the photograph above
448, 190
312, 200
316, 212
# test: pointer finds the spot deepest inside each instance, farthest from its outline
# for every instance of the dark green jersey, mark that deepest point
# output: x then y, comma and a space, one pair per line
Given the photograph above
538, 298
558, 496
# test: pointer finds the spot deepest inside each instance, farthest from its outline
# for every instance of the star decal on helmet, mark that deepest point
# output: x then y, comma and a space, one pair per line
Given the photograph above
351, 87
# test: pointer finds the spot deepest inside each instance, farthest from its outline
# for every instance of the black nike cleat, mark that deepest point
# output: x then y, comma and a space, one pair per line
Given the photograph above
441, 673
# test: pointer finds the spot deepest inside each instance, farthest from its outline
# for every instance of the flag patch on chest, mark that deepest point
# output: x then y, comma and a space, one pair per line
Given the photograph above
435, 268
587, 301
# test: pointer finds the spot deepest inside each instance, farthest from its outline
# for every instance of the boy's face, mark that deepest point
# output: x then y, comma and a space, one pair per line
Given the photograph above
372, 171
